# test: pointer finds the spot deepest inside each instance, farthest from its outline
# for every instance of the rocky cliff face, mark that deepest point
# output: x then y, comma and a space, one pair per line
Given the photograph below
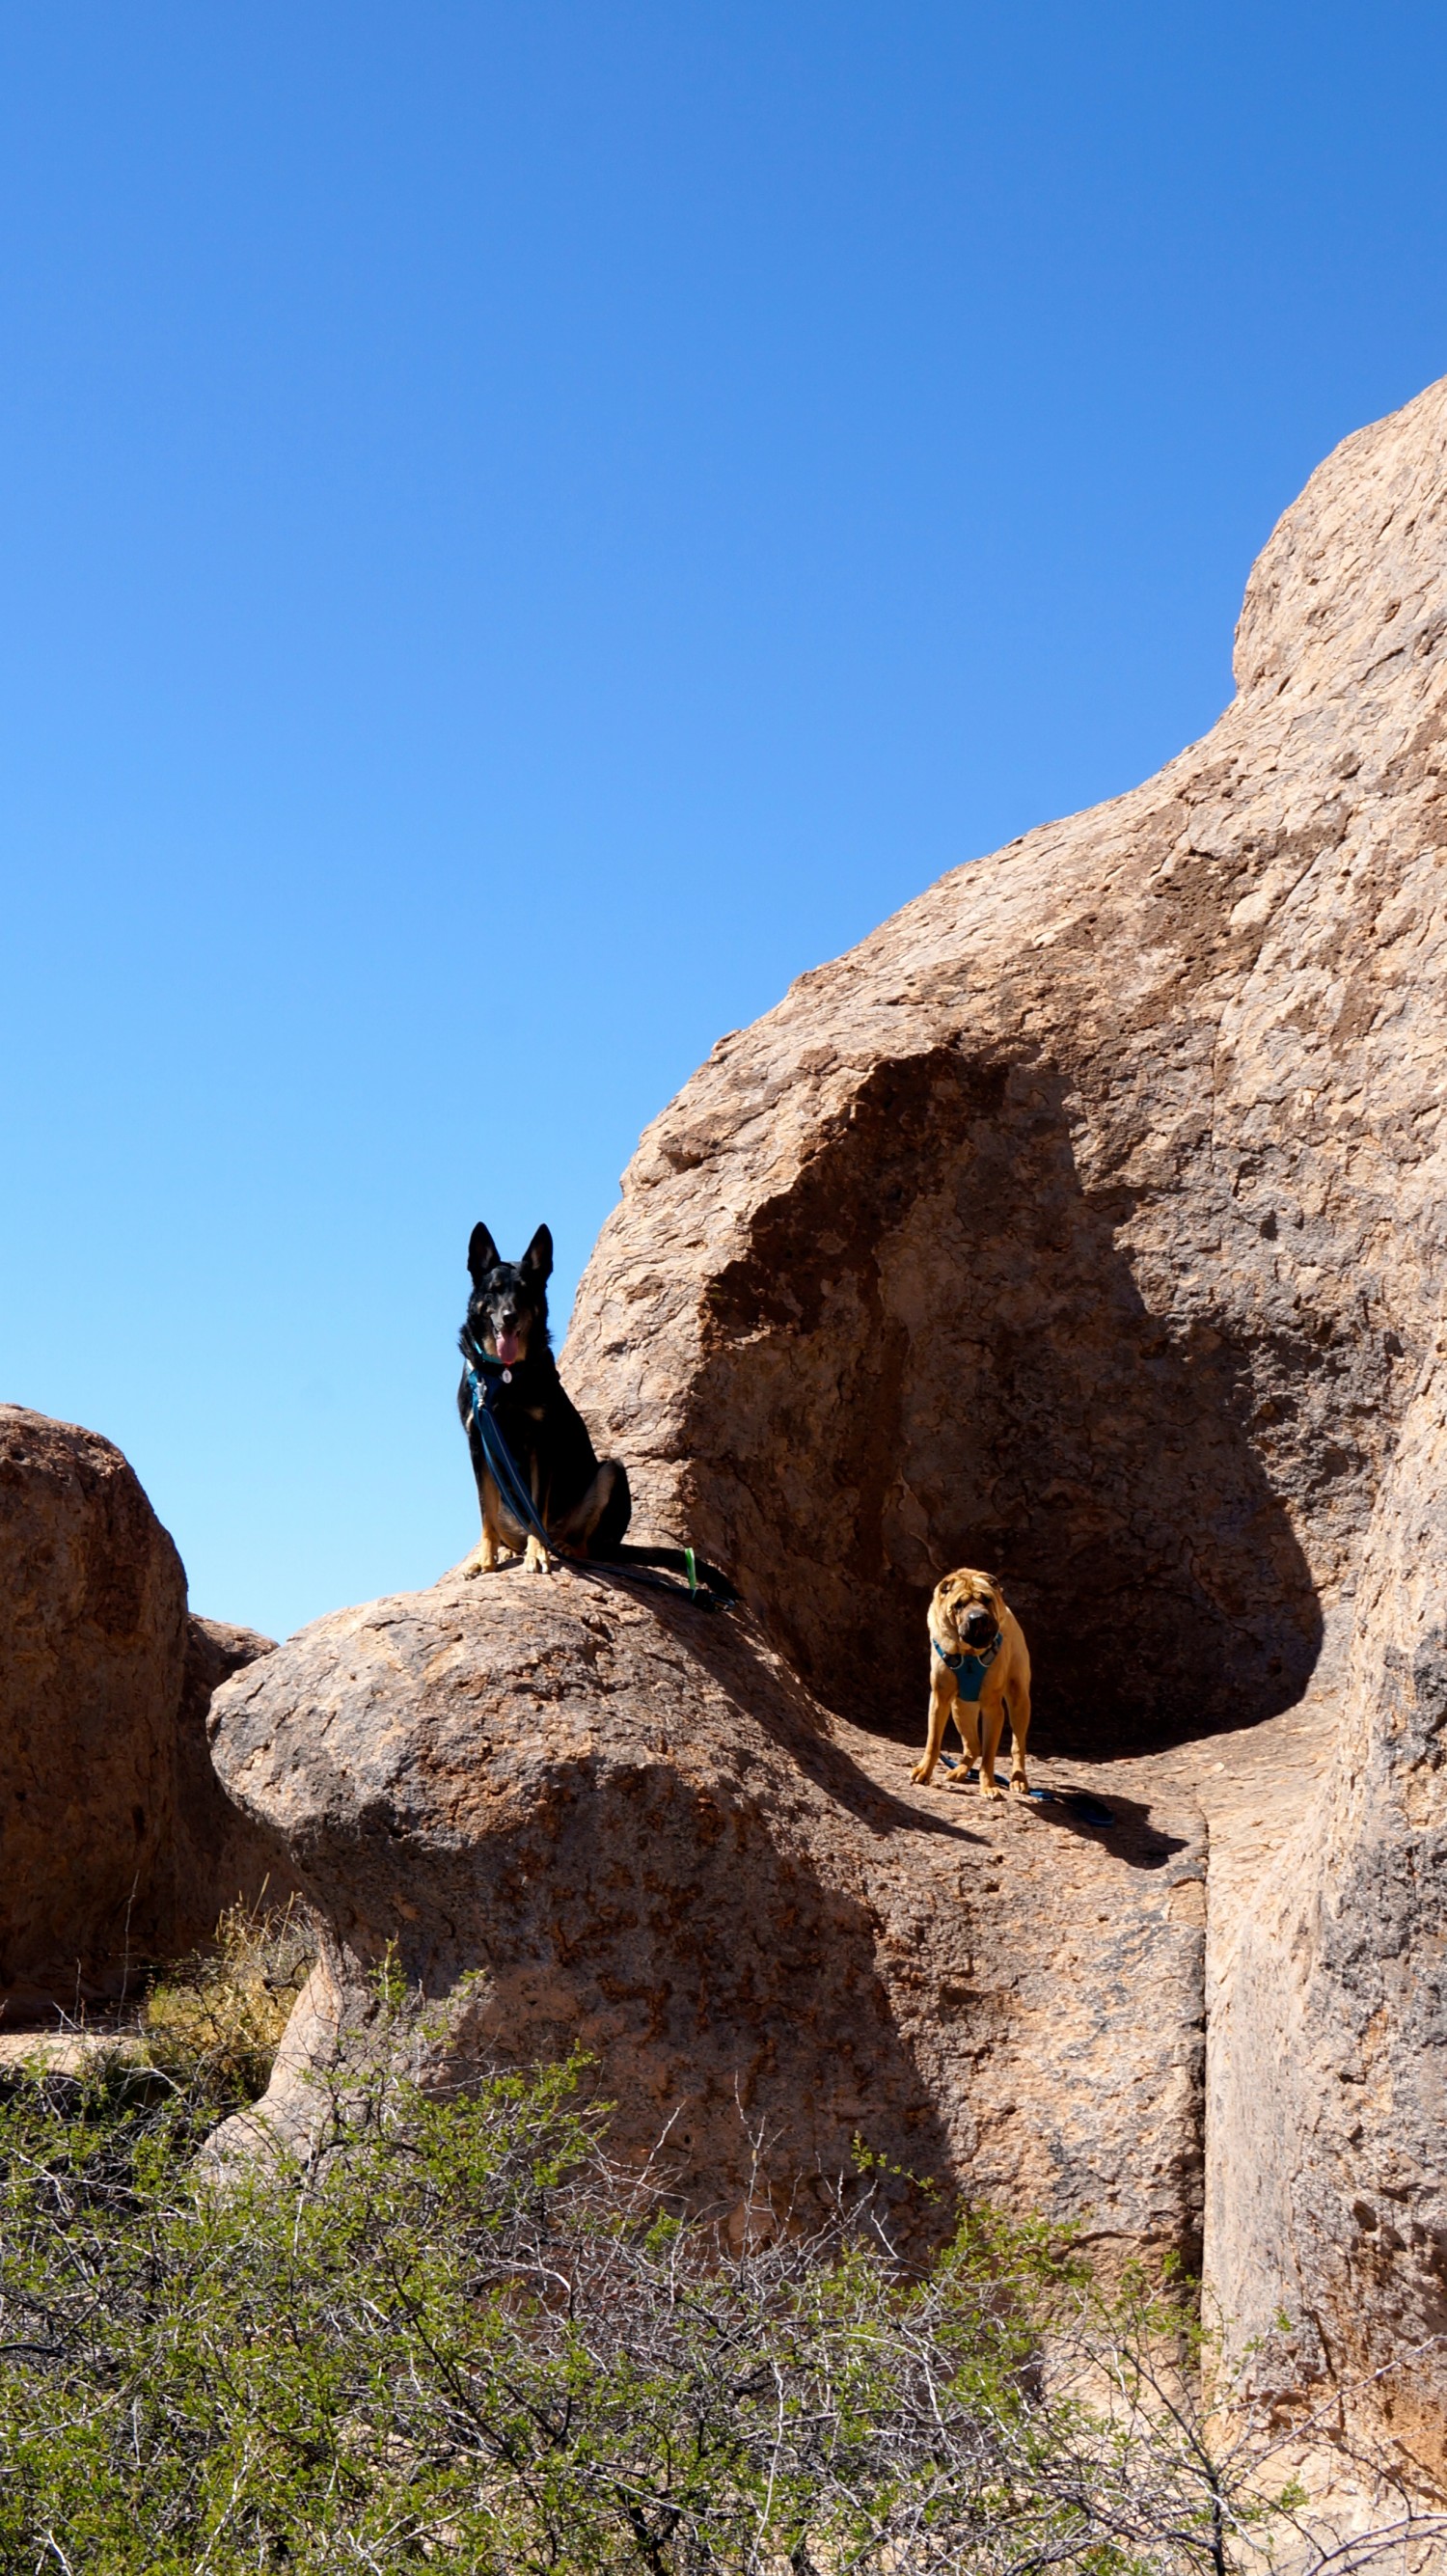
1087, 1222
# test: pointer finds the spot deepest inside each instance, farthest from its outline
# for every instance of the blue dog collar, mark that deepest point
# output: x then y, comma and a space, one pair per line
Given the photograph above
970, 1670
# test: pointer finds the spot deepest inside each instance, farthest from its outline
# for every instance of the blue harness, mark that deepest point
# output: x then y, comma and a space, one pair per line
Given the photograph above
970, 1670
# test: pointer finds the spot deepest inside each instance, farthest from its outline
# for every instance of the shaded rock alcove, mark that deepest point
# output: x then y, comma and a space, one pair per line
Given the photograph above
933, 1353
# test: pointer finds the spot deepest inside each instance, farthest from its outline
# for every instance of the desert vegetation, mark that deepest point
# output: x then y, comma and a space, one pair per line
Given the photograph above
457, 2334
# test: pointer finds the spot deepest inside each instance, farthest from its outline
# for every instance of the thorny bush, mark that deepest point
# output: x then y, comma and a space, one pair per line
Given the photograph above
457, 2334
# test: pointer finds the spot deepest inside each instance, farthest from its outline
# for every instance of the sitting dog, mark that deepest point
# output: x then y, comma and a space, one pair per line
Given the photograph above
582, 1501
980, 1666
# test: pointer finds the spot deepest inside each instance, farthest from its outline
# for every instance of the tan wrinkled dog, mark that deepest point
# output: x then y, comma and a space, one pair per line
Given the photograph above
979, 1668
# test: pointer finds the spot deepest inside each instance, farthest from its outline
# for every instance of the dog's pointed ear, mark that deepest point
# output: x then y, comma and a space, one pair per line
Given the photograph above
481, 1254
539, 1254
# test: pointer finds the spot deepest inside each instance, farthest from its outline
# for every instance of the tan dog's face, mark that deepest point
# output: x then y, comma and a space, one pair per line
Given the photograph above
970, 1609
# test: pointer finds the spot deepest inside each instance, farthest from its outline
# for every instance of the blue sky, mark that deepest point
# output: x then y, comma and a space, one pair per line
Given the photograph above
522, 529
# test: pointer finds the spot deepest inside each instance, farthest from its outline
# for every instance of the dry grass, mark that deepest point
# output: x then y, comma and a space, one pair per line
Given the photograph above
213, 2021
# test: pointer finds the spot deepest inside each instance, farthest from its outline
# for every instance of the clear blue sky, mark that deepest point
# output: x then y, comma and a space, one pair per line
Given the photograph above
523, 528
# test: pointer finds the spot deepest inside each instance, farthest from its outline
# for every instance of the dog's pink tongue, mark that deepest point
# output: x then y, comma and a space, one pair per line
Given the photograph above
507, 1348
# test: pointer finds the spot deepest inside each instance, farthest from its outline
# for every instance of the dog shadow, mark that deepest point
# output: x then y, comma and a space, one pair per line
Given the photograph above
1130, 1836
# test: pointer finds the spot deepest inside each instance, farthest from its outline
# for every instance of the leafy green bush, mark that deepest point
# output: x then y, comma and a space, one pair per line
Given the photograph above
457, 2336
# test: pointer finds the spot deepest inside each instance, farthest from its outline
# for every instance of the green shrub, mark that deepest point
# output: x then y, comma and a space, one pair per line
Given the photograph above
457, 2336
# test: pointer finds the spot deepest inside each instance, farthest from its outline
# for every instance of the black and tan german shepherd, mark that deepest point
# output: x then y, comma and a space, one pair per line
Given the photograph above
582, 1501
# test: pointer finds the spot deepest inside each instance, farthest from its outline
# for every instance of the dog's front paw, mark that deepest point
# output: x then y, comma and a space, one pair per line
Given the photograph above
536, 1557
921, 1774
1019, 1785
991, 1789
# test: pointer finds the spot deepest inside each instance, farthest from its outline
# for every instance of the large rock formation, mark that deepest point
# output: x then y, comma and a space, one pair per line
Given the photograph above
115, 1841
1089, 1217
1088, 1221
642, 1836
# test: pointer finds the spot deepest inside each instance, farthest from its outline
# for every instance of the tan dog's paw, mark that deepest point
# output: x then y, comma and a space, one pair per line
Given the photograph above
536, 1557
1019, 1786
991, 1789
921, 1773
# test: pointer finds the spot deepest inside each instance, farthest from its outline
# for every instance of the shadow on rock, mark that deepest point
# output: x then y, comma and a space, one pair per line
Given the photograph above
935, 1353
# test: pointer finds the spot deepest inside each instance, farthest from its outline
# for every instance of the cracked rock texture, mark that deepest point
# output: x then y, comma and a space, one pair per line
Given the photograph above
1086, 1222
116, 1842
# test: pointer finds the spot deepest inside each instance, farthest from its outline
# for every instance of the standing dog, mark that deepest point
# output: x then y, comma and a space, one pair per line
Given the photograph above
582, 1501
980, 1666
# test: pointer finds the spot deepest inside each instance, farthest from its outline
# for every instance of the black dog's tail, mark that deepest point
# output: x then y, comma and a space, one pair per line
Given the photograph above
674, 1560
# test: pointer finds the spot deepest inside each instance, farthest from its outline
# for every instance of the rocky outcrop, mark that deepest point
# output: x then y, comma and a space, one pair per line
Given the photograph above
1089, 1217
1086, 1222
115, 1842
642, 1837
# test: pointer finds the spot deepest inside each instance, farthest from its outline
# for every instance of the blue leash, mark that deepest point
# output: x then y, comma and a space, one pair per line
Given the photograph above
506, 1475
502, 1466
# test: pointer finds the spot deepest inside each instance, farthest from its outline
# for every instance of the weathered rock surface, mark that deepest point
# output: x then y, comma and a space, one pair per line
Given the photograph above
1329, 2007
1089, 1221
650, 1842
92, 1644
115, 1841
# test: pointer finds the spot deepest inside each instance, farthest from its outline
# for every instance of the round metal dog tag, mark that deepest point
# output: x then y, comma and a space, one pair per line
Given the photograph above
507, 1377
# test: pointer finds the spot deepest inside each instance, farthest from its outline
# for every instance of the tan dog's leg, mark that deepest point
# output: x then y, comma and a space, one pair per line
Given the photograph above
992, 1719
1019, 1729
941, 1692
967, 1725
